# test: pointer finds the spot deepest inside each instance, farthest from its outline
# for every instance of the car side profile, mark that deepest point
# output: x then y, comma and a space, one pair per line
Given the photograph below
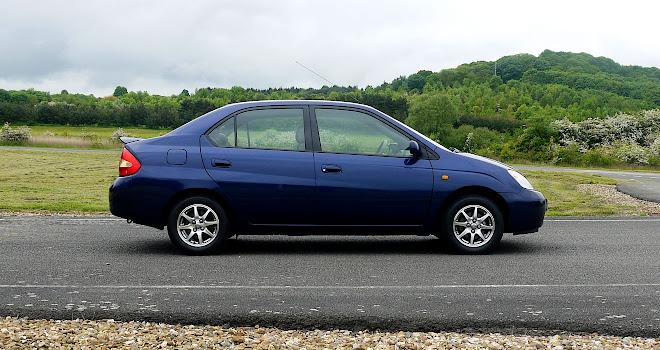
316, 167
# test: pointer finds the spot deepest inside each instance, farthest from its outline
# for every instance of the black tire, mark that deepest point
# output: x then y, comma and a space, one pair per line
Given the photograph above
464, 234
198, 234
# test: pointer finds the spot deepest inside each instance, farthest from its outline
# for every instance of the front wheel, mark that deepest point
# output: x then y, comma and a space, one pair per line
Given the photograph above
473, 224
197, 225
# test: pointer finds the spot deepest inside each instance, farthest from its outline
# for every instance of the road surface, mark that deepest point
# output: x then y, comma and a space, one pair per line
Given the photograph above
576, 274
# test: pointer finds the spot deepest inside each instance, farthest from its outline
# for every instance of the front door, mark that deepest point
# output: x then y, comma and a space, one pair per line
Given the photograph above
365, 174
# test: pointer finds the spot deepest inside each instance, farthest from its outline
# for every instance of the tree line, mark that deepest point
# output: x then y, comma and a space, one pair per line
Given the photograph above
511, 100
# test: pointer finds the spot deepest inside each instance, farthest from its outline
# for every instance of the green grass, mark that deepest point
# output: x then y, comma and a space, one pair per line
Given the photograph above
619, 167
560, 189
80, 137
100, 131
35, 180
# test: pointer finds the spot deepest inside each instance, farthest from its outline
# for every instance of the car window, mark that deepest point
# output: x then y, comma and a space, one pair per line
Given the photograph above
223, 134
280, 128
345, 131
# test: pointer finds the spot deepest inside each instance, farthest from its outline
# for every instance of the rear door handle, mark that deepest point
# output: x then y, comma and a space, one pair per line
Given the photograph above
221, 163
330, 168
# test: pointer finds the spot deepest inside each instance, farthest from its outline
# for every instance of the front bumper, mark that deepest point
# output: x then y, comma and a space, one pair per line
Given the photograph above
526, 211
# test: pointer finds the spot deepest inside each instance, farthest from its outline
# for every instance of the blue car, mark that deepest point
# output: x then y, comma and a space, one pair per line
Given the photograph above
316, 167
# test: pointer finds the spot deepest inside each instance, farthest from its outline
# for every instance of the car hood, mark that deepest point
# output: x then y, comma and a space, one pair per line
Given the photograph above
485, 160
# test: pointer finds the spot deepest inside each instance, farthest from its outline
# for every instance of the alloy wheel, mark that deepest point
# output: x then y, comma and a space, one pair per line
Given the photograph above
473, 226
197, 225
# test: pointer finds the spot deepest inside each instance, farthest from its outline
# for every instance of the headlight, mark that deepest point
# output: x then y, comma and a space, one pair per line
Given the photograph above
521, 179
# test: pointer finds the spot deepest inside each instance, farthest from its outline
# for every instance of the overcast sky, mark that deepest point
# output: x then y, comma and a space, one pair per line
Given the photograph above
165, 46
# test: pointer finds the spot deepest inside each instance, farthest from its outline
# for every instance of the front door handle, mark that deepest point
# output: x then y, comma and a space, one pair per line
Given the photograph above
330, 168
221, 163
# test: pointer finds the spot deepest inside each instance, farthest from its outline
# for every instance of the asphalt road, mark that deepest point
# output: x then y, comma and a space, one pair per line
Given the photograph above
578, 275
644, 186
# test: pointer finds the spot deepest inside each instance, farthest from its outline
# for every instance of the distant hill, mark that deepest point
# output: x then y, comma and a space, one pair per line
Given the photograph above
553, 85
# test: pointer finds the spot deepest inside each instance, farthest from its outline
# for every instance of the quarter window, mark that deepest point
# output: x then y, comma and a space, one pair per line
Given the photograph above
281, 128
345, 131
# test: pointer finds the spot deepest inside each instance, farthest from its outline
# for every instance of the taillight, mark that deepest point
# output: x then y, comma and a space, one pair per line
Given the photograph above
128, 165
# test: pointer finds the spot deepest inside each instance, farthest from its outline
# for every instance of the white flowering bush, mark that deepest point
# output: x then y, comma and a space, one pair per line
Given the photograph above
117, 134
468, 142
593, 132
632, 153
628, 138
90, 136
272, 138
340, 143
655, 147
20, 134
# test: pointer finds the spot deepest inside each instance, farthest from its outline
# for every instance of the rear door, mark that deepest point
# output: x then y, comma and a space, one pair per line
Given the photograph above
365, 174
262, 159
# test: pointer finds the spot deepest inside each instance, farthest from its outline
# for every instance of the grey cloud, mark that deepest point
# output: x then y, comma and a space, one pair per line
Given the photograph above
165, 46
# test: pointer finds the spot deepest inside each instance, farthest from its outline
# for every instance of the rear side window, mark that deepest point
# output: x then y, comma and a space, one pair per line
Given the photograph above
280, 128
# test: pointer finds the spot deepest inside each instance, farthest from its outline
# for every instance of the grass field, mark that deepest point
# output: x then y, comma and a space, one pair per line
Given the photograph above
103, 132
35, 180
80, 137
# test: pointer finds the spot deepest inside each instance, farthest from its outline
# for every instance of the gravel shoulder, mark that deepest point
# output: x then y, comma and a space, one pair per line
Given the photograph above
21, 333
609, 194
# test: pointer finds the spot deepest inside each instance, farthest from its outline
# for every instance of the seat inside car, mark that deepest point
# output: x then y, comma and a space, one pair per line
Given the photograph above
300, 138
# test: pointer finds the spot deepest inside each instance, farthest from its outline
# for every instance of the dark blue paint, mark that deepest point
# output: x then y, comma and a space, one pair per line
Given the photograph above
177, 156
270, 187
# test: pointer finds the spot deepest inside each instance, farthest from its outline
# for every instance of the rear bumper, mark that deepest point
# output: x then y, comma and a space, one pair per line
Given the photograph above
126, 202
120, 205
526, 211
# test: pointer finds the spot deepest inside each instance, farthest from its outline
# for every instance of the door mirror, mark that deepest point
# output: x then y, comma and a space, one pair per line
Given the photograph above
414, 149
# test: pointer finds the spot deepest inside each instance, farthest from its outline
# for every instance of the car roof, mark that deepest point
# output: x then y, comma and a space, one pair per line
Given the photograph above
204, 122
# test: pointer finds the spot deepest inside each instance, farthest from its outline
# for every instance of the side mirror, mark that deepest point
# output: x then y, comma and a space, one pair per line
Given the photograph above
414, 149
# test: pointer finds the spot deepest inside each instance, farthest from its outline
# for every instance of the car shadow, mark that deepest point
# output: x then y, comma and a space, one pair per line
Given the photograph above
334, 245
315, 245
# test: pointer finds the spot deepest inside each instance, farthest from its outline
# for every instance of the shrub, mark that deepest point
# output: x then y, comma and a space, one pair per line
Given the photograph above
20, 134
469, 145
599, 156
655, 147
632, 153
341, 143
569, 154
508, 151
117, 134
593, 132
272, 138
90, 136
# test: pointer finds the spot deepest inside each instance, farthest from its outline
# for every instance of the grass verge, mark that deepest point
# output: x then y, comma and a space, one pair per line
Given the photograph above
615, 167
35, 180
103, 132
564, 199
80, 137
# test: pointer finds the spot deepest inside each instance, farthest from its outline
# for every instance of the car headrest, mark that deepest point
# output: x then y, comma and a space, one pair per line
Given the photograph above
300, 135
221, 139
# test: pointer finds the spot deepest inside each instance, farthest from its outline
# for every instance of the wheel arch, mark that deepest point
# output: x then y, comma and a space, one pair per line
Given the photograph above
204, 192
479, 191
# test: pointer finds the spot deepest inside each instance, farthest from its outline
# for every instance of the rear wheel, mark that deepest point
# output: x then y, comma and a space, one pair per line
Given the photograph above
473, 224
197, 225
